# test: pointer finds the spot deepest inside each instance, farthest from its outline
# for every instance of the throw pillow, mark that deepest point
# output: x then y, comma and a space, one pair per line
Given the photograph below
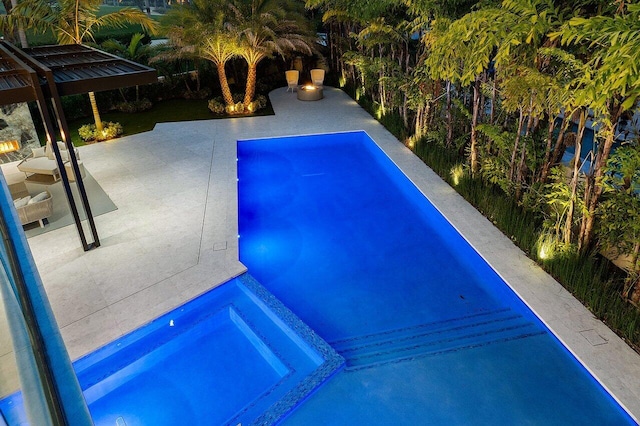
38, 152
49, 151
40, 197
21, 202
64, 155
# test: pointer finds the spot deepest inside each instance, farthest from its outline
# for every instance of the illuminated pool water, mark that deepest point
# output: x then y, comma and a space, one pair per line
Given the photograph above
430, 333
234, 355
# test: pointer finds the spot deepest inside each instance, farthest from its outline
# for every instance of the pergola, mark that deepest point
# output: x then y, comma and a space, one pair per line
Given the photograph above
43, 74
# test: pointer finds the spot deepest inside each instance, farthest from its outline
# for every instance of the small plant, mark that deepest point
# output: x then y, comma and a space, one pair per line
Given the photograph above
234, 109
216, 106
110, 131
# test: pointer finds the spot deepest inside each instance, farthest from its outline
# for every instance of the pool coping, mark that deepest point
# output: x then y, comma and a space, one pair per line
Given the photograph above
128, 169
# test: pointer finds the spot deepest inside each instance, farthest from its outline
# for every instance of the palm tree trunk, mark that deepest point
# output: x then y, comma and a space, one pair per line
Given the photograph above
96, 113
224, 84
251, 85
22, 36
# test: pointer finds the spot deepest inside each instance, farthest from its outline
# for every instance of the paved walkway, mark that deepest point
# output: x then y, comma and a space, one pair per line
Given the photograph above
174, 234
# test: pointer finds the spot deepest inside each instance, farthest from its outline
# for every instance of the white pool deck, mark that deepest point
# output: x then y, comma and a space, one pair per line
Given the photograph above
174, 235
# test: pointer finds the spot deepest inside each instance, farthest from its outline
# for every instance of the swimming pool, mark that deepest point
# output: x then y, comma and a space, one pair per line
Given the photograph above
234, 355
431, 334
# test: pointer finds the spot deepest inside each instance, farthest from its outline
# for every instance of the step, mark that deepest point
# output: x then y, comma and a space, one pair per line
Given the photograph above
436, 326
434, 338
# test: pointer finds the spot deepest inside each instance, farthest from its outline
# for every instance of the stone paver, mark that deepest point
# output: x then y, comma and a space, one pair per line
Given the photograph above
174, 234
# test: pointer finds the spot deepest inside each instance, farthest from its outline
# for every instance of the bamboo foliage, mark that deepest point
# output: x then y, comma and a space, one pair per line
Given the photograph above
508, 84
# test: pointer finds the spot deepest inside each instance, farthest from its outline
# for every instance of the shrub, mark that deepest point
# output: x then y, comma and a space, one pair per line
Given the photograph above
135, 106
259, 102
75, 106
110, 131
217, 106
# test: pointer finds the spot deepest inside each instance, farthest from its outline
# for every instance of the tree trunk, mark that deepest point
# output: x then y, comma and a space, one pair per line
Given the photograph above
96, 113
568, 226
224, 84
593, 198
523, 156
251, 85
521, 171
22, 36
492, 118
546, 163
474, 124
449, 116
516, 145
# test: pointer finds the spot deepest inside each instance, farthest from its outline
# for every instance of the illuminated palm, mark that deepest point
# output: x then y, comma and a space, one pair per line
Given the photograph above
266, 27
200, 29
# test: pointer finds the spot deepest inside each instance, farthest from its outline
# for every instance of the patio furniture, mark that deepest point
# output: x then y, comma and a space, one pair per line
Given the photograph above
68, 167
317, 77
34, 209
292, 79
42, 162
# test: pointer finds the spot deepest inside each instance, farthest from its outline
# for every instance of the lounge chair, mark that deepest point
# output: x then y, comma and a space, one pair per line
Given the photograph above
317, 77
292, 79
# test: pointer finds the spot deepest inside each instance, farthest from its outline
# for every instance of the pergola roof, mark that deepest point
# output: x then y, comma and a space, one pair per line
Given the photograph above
16, 79
54, 71
75, 69
80, 69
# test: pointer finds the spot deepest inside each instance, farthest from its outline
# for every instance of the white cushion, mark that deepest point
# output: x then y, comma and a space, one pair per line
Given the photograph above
21, 202
38, 152
62, 147
49, 152
40, 197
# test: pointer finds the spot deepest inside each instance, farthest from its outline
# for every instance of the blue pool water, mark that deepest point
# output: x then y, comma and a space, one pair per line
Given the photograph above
233, 356
430, 333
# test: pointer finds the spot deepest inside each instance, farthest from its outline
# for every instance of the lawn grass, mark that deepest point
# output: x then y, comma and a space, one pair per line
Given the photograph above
161, 112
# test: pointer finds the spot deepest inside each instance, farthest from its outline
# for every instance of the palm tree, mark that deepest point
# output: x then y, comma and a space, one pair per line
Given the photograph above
18, 32
72, 22
266, 27
201, 29
135, 51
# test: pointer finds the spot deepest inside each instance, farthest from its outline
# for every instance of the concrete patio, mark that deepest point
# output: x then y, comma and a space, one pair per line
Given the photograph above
174, 235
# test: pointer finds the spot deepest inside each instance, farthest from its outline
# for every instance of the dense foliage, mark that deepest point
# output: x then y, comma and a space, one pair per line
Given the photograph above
498, 93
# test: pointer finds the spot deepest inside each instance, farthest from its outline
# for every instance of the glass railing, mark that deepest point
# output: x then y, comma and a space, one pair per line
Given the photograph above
37, 383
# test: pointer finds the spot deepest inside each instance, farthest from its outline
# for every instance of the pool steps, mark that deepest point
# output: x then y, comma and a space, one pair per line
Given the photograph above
435, 338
